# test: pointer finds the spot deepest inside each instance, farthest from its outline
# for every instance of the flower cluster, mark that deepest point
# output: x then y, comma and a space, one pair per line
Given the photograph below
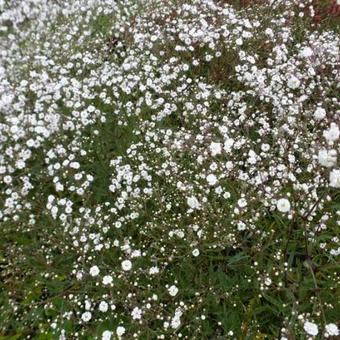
168, 170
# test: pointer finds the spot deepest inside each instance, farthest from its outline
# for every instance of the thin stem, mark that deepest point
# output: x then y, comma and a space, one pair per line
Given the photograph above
310, 266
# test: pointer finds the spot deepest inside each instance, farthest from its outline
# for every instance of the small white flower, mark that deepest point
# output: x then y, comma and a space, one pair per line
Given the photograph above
173, 290
193, 202
283, 205
86, 317
332, 329
241, 226
319, 113
103, 306
332, 134
126, 265
242, 203
269, 32
334, 178
87, 305
79, 276
94, 271
239, 41
268, 281
306, 52
107, 279
176, 320
7, 179
211, 179
136, 313
293, 82
228, 144
327, 158
153, 270
136, 253
120, 330
215, 148
311, 328
106, 335
195, 252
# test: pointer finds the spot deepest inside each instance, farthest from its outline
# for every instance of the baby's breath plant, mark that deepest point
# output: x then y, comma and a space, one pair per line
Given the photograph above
169, 169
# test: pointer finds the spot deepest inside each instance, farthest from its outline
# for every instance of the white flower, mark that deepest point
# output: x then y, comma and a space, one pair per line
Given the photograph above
107, 279
267, 281
126, 265
311, 328
7, 179
242, 202
86, 317
241, 226
87, 305
228, 144
94, 271
173, 290
283, 205
175, 323
332, 329
332, 134
136, 313
153, 270
327, 158
306, 52
106, 335
193, 202
136, 253
176, 320
120, 330
103, 306
319, 113
293, 82
215, 148
195, 252
334, 178
211, 179
269, 32
239, 41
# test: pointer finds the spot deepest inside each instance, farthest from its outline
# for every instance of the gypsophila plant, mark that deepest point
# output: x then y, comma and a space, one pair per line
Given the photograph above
169, 169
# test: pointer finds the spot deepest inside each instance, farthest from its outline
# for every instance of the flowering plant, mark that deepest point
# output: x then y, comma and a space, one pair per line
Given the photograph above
168, 169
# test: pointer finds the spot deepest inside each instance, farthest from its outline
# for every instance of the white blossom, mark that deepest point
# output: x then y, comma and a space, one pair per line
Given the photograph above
120, 331
215, 148
334, 178
332, 134
106, 335
173, 290
311, 328
193, 203
211, 179
332, 329
327, 158
195, 252
103, 306
94, 271
293, 82
86, 317
319, 113
283, 205
306, 52
107, 279
136, 313
126, 265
